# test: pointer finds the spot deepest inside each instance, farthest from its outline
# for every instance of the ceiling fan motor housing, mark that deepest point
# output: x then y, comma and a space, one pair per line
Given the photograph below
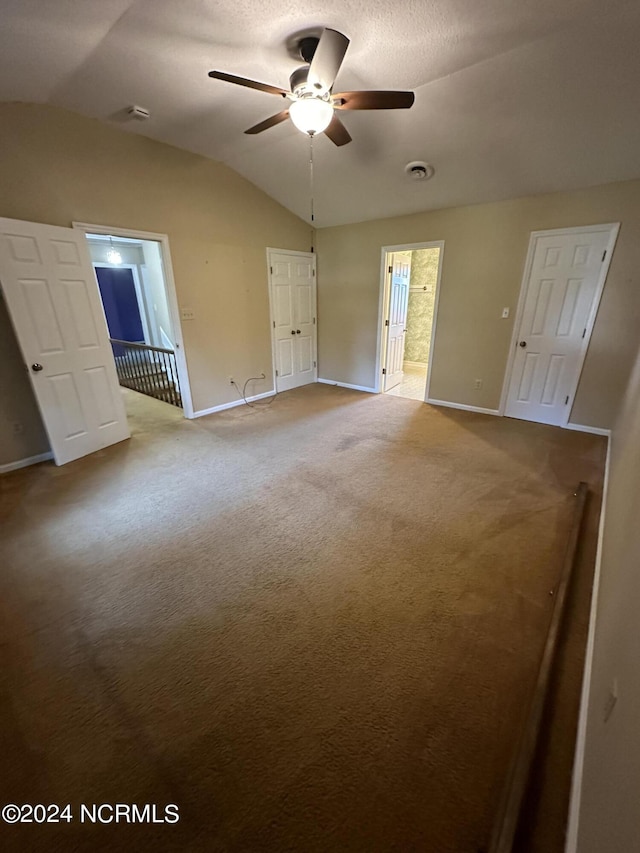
298, 80
308, 47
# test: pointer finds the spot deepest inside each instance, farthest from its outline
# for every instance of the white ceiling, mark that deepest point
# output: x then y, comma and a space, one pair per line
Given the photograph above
512, 97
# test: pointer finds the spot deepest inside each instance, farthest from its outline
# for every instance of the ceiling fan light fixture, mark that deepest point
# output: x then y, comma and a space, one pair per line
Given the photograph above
311, 115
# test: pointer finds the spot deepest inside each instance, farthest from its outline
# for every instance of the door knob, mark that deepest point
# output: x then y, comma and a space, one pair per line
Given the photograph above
36, 367
523, 343
297, 331
293, 331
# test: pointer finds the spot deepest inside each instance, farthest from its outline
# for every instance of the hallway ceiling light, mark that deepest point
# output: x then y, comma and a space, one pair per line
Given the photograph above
113, 255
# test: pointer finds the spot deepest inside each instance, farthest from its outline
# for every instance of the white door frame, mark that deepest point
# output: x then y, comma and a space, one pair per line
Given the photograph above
613, 228
172, 299
383, 307
297, 254
142, 308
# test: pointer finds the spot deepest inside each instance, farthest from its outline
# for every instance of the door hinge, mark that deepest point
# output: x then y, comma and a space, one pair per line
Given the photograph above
271, 269
584, 332
390, 269
314, 321
274, 324
566, 399
604, 254
386, 322
384, 371
315, 364
277, 374
313, 272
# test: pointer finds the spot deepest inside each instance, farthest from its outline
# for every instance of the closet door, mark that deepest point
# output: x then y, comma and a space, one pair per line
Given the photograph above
292, 290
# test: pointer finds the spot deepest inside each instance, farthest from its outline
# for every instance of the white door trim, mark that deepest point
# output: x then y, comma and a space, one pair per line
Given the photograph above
296, 254
613, 228
382, 307
172, 299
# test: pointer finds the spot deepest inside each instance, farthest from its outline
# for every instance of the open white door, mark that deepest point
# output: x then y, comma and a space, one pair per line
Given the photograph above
293, 317
565, 274
52, 296
396, 322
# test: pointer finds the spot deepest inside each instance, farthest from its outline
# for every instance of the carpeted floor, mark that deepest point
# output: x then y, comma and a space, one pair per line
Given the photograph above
313, 626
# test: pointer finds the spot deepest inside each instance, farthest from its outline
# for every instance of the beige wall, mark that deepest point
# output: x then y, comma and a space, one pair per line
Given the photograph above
609, 812
57, 167
484, 255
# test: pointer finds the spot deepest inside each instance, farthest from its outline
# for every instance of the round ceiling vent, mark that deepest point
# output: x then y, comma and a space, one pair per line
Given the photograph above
419, 171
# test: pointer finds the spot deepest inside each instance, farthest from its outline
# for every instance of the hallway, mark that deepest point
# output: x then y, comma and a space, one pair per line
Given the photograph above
414, 383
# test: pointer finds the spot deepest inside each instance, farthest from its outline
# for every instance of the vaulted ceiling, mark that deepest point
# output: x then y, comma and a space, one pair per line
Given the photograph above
512, 97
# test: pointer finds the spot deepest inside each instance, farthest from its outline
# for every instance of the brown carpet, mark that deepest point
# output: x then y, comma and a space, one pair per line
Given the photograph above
313, 626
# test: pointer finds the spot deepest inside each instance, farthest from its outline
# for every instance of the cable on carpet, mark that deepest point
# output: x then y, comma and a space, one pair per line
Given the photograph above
243, 392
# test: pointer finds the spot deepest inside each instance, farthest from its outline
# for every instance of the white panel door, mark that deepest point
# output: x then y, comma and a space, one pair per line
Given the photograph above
52, 296
560, 295
293, 308
396, 321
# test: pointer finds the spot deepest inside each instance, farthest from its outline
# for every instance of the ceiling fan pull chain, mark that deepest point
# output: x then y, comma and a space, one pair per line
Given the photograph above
311, 175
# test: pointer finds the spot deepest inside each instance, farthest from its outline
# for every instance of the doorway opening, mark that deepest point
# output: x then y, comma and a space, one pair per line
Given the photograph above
409, 295
136, 287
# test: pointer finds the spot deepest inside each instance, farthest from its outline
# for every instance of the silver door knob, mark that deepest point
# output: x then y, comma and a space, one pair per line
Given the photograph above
522, 343
36, 367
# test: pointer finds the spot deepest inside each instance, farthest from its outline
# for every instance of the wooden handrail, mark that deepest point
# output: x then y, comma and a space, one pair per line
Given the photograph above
140, 346
506, 823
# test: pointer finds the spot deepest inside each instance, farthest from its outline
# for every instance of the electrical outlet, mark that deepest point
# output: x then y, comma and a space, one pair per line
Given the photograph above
477, 384
17, 427
505, 313
610, 701
187, 314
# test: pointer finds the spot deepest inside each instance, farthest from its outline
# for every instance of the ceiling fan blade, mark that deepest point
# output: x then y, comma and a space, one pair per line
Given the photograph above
327, 60
250, 84
269, 122
337, 132
374, 100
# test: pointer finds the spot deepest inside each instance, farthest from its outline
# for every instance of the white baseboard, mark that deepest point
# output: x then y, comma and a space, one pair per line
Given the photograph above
232, 405
571, 845
414, 363
464, 408
590, 429
23, 463
347, 385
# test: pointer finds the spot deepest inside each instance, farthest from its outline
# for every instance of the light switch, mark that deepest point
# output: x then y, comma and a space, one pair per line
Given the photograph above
505, 313
187, 314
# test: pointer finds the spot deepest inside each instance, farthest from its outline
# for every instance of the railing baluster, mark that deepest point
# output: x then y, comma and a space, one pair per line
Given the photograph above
135, 372
172, 384
177, 380
171, 398
144, 371
163, 389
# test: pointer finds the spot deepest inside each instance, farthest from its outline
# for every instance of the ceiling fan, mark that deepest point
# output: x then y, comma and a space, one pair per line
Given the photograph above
313, 103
